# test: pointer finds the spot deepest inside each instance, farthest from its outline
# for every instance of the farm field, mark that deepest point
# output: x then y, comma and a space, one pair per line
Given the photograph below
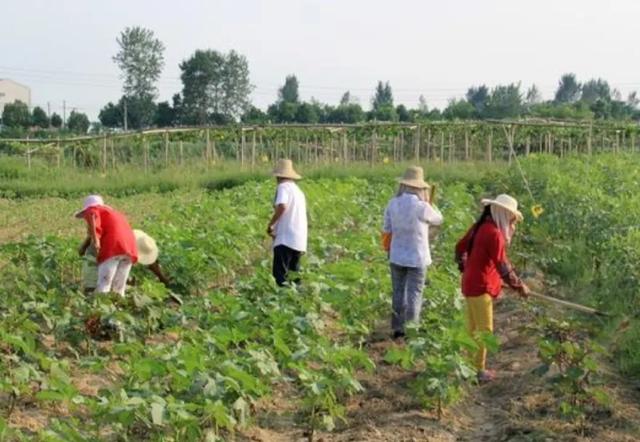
227, 355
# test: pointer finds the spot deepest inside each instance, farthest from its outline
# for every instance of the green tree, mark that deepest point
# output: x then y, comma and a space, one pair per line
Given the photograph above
478, 97
78, 122
307, 113
533, 96
288, 93
141, 59
595, 89
16, 115
568, 89
56, 121
346, 113
253, 115
403, 113
214, 84
165, 115
346, 99
505, 102
383, 97
39, 118
111, 115
459, 110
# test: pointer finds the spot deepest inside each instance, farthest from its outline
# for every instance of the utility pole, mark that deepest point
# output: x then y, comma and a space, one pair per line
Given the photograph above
124, 100
64, 114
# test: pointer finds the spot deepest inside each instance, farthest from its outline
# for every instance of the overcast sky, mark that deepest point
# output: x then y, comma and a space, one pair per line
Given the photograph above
63, 49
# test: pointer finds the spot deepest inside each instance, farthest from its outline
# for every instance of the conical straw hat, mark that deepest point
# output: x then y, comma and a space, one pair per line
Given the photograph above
284, 169
506, 202
147, 248
414, 177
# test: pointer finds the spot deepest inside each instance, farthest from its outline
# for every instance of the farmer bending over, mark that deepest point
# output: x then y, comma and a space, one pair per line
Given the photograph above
288, 225
482, 258
147, 256
406, 224
113, 241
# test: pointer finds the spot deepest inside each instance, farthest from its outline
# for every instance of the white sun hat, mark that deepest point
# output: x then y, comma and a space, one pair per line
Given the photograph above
284, 169
90, 201
506, 202
147, 248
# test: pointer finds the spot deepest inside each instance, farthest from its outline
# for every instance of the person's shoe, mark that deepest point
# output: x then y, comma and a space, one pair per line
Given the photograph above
485, 376
397, 334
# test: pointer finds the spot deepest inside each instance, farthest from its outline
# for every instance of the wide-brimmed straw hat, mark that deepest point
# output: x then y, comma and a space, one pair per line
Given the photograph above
284, 169
414, 177
147, 248
506, 202
90, 201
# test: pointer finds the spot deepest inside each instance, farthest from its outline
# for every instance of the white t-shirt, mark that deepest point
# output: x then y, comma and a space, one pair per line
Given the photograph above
407, 218
291, 228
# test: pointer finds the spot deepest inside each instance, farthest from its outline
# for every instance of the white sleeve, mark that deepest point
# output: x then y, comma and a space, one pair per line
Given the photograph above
283, 196
430, 215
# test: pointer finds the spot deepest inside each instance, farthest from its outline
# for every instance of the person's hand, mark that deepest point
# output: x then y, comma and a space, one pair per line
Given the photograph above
82, 250
97, 247
270, 231
524, 291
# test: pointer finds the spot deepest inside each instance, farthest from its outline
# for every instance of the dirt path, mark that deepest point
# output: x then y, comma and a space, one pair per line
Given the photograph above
518, 406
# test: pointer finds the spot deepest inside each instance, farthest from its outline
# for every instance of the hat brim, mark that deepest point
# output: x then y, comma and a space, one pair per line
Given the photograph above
150, 256
415, 183
517, 213
80, 213
290, 175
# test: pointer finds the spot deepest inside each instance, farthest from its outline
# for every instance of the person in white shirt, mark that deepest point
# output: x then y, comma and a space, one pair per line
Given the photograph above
406, 220
288, 225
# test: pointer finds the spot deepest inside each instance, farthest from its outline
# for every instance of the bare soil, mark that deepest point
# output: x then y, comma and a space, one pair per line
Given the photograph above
518, 406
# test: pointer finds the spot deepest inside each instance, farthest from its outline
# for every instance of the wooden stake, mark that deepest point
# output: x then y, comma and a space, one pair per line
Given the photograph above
166, 149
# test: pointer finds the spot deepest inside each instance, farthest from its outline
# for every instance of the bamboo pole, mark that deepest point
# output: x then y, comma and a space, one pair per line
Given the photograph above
489, 152
166, 149
442, 146
104, 154
253, 149
181, 153
417, 135
466, 144
113, 154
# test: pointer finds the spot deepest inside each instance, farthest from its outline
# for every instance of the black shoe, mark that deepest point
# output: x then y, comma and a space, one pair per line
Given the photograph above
398, 334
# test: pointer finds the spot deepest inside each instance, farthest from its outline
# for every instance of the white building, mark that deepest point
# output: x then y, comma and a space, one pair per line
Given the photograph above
11, 91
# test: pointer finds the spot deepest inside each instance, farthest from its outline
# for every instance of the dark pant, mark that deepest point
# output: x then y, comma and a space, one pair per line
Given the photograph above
285, 259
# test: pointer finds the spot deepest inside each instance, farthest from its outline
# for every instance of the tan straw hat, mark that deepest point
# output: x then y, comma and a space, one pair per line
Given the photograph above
284, 169
414, 177
506, 202
147, 248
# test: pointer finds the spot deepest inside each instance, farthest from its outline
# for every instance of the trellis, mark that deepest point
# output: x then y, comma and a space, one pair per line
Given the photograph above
251, 146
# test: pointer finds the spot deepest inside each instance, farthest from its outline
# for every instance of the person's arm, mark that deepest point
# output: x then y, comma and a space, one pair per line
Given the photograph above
157, 270
277, 213
430, 214
85, 245
461, 250
386, 231
279, 207
498, 253
94, 230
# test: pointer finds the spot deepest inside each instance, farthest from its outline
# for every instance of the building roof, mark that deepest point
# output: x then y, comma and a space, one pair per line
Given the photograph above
14, 82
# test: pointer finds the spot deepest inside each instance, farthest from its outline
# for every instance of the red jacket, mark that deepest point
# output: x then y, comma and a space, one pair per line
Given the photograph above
114, 232
486, 266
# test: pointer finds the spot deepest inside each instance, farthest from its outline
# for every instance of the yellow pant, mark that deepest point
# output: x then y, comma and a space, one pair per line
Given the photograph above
480, 319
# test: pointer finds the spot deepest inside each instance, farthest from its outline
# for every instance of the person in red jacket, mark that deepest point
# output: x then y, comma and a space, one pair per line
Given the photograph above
482, 258
114, 241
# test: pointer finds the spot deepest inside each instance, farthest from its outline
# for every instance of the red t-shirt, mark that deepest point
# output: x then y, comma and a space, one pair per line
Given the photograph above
115, 234
487, 265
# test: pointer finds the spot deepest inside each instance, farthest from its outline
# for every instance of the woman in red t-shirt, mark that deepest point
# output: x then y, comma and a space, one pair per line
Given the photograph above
482, 259
114, 242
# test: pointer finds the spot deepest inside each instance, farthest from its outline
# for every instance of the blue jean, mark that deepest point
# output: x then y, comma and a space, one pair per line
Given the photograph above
407, 284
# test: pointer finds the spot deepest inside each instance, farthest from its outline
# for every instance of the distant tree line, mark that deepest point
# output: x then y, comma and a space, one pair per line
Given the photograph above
216, 90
